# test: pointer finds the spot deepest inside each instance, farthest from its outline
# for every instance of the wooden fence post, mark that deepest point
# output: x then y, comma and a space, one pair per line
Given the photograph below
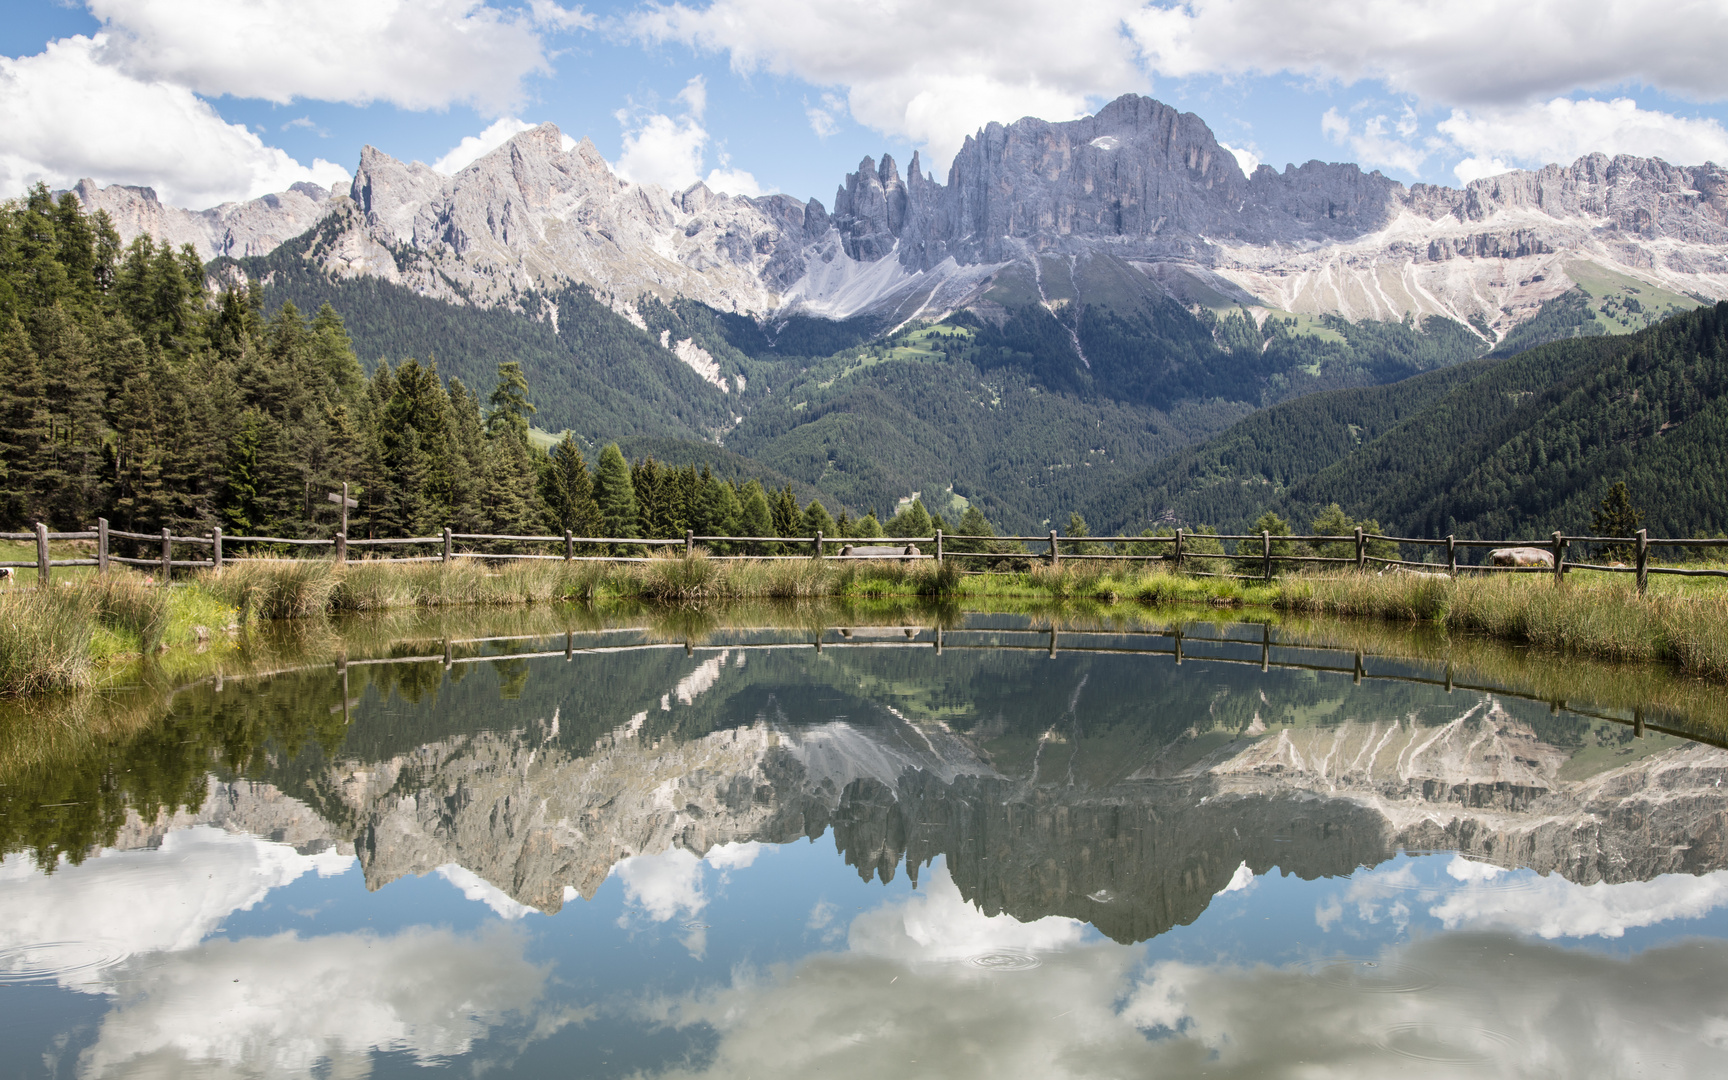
1176, 553
938, 547
690, 544
1266, 554
1559, 556
216, 548
167, 556
818, 543
1643, 559
1361, 550
42, 560
1452, 554
569, 546
341, 539
101, 545
1055, 555
446, 543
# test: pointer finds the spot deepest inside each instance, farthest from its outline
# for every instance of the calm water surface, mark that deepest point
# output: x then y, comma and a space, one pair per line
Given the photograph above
1000, 855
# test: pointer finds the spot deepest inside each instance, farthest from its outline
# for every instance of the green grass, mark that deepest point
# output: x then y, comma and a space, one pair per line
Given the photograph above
1609, 292
25, 551
87, 630
1606, 619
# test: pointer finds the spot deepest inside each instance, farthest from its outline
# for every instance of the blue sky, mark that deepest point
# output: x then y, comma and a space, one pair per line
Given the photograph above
208, 100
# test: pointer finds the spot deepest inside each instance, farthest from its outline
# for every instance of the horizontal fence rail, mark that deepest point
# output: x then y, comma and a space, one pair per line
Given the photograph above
1254, 558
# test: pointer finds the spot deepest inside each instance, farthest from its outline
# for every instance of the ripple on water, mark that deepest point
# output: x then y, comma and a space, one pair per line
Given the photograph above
51, 961
1372, 976
1005, 961
1447, 1044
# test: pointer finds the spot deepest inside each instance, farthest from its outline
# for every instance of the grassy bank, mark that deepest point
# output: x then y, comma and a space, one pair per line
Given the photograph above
86, 631
1604, 619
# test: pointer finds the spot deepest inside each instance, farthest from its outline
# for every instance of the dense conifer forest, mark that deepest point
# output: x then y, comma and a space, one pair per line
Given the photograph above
1490, 449
128, 391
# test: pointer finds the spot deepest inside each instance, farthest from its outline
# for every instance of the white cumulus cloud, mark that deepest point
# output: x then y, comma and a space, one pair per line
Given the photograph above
1563, 130
287, 1006
1481, 51
475, 887
418, 54
659, 149
474, 147
68, 114
663, 885
1554, 908
929, 73
1380, 140
196, 879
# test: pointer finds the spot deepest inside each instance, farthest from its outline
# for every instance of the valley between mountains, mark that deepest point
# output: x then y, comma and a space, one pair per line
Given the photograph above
1103, 315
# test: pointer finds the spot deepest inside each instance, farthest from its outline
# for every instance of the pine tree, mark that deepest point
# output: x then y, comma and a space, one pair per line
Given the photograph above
756, 518
567, 491
24, 426
973, 523
786, 515
613, 493
725, 514
914, 521
1252, 552
816, 520
510, 406
240, 505
1616, 516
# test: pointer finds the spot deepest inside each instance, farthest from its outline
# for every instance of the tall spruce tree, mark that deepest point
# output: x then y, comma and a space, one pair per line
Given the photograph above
567, 491
1616, 516
613, 492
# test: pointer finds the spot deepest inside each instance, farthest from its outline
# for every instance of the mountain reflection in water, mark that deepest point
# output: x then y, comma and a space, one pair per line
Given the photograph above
1110, 854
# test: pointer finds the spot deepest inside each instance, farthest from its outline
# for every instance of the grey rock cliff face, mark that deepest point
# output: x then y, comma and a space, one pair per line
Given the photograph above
1139, 184
237, 229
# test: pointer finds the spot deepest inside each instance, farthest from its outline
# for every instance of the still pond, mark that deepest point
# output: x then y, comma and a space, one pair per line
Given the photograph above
985, 850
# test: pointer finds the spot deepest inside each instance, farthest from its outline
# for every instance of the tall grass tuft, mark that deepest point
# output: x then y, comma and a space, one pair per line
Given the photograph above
47, 635
46, 642
682, 581
275, 588
125, 603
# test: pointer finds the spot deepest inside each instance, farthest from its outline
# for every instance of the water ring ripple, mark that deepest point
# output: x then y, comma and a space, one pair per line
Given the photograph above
50, 961
1376, 975
1447, 1044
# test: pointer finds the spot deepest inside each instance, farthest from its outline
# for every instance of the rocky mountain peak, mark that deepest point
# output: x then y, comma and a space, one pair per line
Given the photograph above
1139, 183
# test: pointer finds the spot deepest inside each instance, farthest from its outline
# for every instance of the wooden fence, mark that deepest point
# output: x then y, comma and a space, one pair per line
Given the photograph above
1254, 551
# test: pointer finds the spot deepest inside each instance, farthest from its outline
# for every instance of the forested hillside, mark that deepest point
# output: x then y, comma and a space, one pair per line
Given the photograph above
1535, 443
129, 392
596, 374
1493, 449
1009, 415
1232, 479
1031, 411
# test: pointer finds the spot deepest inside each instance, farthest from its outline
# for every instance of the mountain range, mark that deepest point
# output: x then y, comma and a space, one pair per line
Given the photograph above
1109, 290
